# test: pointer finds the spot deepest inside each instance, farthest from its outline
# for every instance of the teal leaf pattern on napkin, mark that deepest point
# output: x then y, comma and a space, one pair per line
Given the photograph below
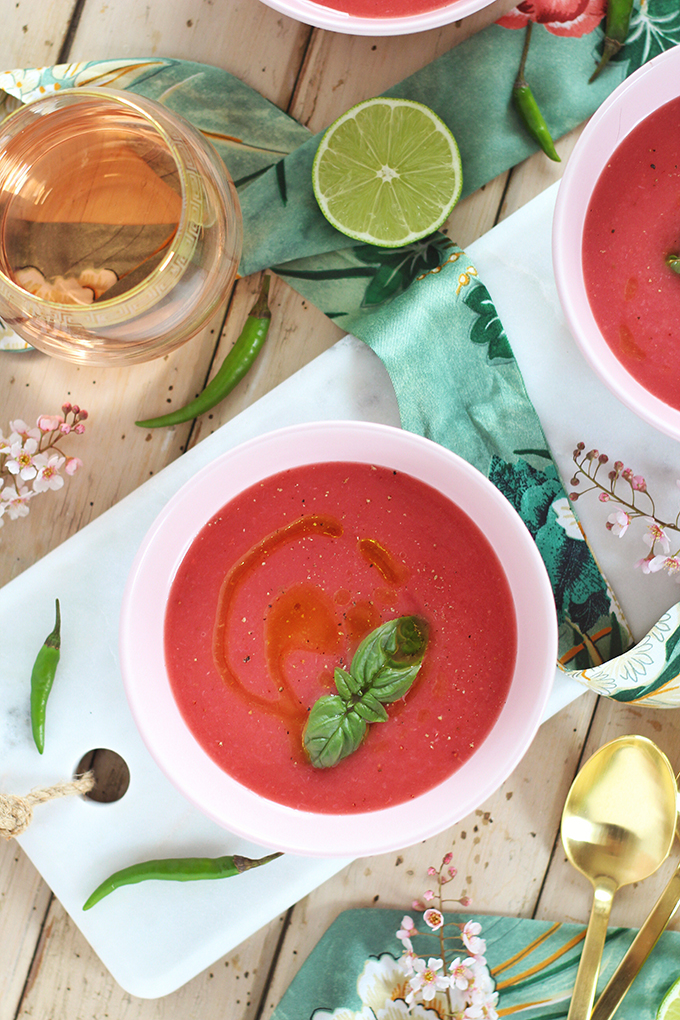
397, 268
581, 594
488, 328
653, 28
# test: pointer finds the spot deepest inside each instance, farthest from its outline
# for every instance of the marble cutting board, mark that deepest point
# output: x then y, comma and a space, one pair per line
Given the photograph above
154, 937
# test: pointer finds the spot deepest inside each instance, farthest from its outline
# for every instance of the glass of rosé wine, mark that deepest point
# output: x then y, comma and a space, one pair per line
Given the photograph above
120, 227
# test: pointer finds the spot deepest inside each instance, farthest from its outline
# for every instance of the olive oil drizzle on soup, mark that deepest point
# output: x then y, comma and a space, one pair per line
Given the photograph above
281, 586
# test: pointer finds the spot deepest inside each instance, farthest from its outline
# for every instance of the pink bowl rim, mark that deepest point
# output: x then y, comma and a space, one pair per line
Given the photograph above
187, 765
651, 86
316, 14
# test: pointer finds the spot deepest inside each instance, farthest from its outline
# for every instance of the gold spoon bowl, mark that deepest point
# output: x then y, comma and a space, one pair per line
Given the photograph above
617, 828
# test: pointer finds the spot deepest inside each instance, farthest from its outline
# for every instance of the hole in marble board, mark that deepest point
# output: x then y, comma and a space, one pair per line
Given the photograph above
111, 774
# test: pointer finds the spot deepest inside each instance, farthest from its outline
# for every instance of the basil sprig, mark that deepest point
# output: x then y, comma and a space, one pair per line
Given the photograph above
383, 668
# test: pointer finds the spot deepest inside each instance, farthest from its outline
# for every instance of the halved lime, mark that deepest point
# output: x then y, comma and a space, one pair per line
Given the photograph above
387, 172
670, 1004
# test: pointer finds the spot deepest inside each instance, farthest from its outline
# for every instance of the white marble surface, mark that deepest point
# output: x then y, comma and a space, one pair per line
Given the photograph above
156, 936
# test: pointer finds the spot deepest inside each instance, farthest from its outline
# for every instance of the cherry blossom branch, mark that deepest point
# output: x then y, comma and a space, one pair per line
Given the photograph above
31, 459
457, 988
588, 466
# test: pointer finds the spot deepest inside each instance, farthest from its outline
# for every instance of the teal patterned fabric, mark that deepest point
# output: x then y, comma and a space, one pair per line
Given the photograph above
422, 309
533, 963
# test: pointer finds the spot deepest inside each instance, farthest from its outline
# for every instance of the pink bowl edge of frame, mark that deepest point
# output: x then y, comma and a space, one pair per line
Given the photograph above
336, 21
193, 772
651, 86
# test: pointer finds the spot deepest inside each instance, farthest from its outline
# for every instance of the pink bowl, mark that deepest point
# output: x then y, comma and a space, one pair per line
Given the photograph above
337, 21
654, 84
180, 756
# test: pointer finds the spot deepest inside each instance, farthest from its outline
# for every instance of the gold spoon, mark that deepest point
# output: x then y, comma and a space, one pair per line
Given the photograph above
617, 828
641, 946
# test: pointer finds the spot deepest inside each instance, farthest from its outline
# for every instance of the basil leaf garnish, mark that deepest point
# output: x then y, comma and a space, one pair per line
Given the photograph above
383, 669
332, 731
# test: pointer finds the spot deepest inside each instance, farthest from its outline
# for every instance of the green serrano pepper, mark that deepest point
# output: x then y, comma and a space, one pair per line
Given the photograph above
42, 678
231, 371
615, 32
528, 109
176, 869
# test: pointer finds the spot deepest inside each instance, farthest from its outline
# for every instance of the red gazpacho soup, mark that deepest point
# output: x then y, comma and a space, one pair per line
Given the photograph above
282, 585
632, 224
384, 8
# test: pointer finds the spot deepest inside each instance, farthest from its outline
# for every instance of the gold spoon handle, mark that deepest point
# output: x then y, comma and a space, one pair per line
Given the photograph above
639, 950
589, 965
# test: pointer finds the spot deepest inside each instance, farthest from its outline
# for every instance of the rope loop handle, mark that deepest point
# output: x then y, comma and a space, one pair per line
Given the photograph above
16, 812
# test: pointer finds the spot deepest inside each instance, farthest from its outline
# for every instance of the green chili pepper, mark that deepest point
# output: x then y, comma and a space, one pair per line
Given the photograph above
231, 371
528, 109
176, 869
615, 33
42, 678
673, 262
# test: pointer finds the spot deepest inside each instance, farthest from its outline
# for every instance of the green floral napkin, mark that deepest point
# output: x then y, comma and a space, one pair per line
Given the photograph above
422, 309
352, 973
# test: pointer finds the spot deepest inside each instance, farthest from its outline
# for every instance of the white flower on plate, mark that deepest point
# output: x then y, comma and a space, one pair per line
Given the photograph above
344, 1014
566, 518
398, 1010
382, 980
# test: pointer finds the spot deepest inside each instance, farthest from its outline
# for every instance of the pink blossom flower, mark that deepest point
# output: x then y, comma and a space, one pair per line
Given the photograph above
470, 935
49, 422
72, 465
671, 564
407, 929
481, 983
618, 523
428, 895
48, 476
655, 533
561, 17
460, 972
657, 563
14, 501
645, 564
426, 980
21, 458
481, 1010
431, 871
604, 497
433, 919
449, 857
20, 430
638, 483
408, 957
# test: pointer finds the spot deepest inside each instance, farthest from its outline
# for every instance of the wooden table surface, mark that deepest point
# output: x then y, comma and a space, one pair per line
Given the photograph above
508, 852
